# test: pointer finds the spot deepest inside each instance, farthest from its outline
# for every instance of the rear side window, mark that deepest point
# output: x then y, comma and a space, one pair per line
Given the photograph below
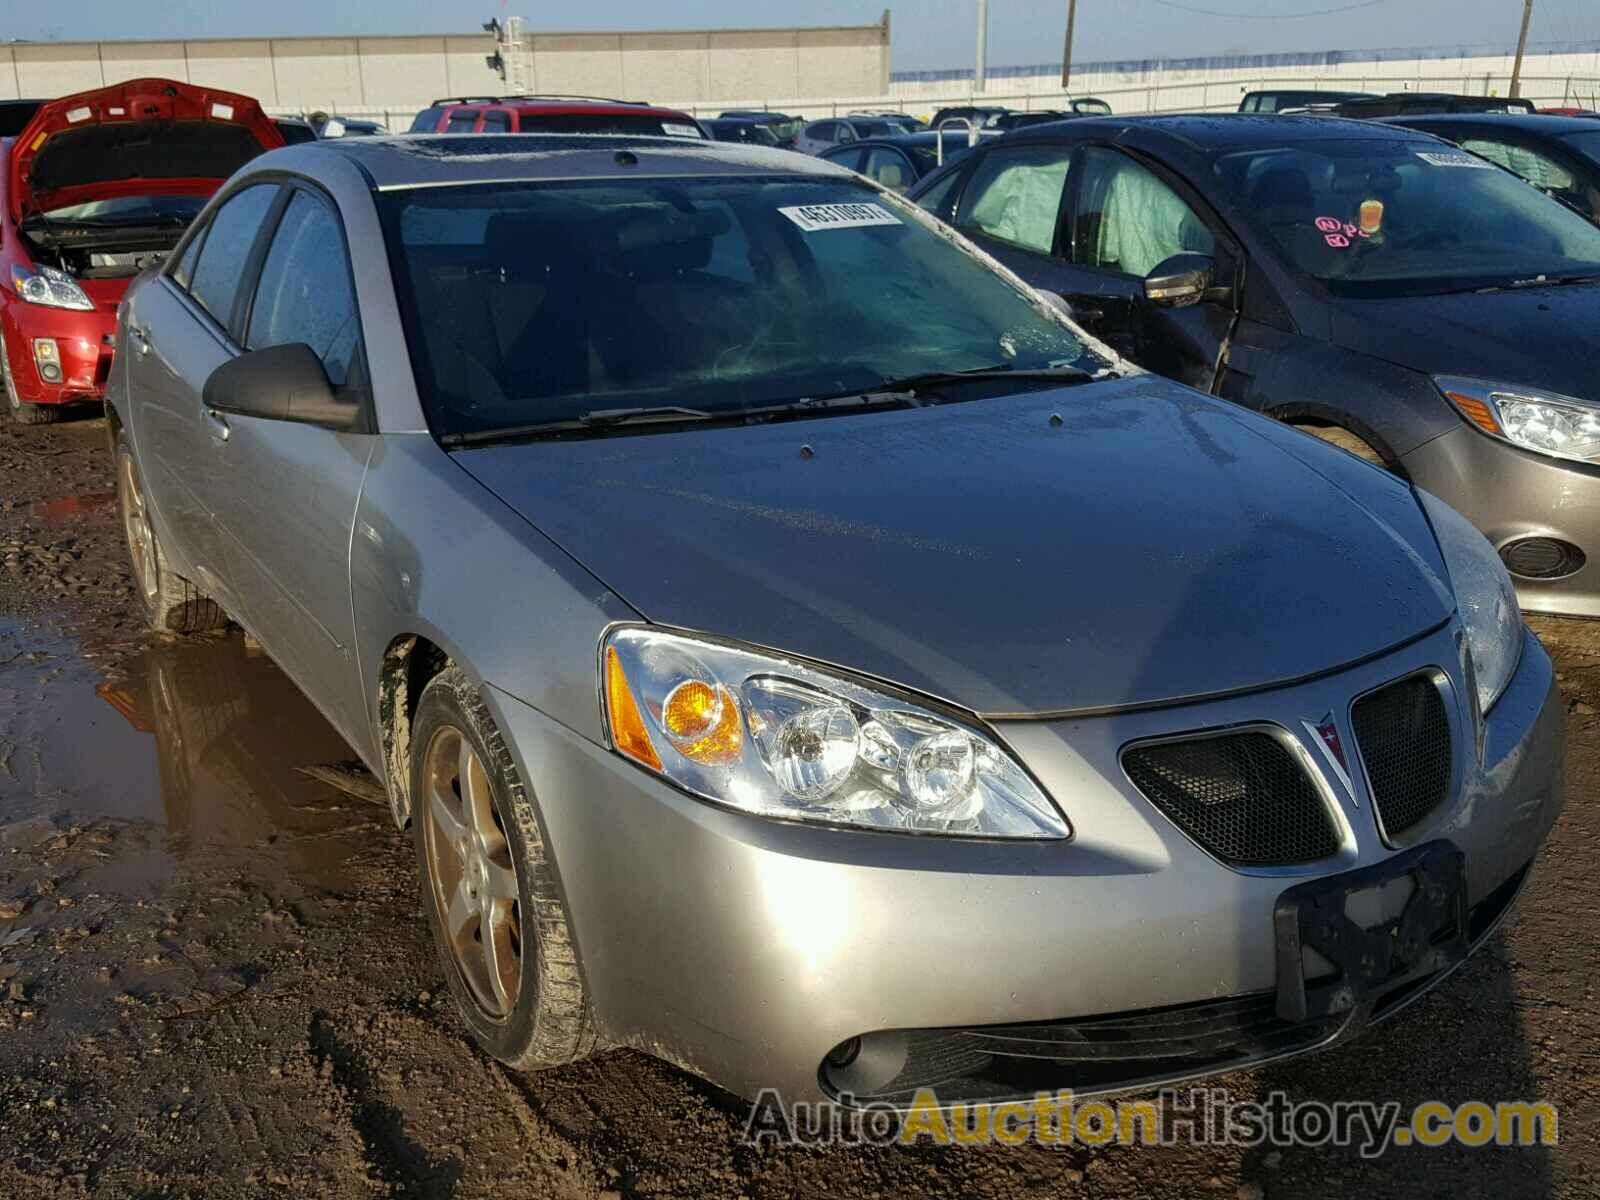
183, 269
426, 121
823, 131
497, 121
228, 243
305, 293
462, 121
1015, 195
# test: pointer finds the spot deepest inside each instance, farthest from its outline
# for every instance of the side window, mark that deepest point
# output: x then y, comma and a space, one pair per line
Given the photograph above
1015, 195
1536, 168
497, 120
849, 158
888, 167
305, 293
228, 243
937, 198
462, 121
822, 131
1128, 220
183, 269
844, 132
1250, 104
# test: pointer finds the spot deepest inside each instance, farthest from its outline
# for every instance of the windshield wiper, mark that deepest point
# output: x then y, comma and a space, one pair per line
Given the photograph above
936, 379
593, 419
1538, 281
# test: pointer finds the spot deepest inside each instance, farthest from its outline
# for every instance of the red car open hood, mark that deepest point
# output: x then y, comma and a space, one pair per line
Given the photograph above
132, 139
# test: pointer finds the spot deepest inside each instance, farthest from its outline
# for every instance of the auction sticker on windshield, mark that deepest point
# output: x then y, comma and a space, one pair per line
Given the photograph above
1446, 159
814, 217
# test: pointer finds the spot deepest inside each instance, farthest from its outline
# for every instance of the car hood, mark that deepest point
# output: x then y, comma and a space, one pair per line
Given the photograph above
1153, 545
1540, 337
131, 139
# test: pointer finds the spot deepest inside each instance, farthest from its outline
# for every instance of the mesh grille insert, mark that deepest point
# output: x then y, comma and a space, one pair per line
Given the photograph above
1404, 738
1243, 796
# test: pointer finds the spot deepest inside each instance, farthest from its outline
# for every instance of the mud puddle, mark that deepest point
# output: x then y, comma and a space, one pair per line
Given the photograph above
203, 741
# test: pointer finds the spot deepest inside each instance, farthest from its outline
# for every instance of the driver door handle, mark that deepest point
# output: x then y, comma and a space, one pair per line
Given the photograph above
140, 342
217, 424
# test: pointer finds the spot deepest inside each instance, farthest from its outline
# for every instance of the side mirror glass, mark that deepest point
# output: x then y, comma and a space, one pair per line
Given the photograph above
280, 383
1181, 280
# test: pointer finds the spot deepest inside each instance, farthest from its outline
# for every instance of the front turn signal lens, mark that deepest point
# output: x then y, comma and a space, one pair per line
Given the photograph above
702, 721
627, 724
1476, 411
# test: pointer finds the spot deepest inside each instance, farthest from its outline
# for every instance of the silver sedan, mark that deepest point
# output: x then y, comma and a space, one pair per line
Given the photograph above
799, 651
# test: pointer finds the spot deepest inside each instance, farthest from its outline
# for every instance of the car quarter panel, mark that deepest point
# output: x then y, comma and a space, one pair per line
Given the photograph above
435, 554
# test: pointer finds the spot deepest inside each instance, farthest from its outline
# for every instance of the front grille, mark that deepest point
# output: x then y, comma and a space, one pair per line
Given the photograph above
1404, 738
1089, 1055
1244, 797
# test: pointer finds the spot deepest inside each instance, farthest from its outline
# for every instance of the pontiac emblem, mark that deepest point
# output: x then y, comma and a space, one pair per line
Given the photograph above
1325, 734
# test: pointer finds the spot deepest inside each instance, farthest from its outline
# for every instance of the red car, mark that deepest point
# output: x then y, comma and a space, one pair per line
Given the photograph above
553, 114
95, 188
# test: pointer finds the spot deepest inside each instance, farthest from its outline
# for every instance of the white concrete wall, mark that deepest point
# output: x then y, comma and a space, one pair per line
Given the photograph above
402, 74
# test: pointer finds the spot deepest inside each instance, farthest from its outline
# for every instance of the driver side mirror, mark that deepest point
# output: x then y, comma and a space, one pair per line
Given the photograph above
1181, 280
280, 383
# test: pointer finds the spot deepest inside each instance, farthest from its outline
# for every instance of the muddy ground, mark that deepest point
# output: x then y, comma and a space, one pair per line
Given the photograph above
215, 980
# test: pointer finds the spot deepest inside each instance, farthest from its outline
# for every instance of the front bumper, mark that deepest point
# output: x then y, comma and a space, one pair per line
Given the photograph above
1512, 494
746, 950
84, 343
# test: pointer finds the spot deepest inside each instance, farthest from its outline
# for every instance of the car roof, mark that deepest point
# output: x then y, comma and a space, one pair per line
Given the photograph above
1541, 123
425, 160
1216, 132
584, 105
925, 138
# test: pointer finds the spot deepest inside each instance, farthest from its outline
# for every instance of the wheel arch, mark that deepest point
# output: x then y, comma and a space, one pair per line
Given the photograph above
409, 662
1322, 415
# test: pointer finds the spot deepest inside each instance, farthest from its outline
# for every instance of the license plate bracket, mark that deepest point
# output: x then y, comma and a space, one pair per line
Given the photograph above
1430, 933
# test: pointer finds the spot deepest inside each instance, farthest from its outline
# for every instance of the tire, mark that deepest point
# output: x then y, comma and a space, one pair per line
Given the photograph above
22, 412
546, 1021
171, 603
1345, 440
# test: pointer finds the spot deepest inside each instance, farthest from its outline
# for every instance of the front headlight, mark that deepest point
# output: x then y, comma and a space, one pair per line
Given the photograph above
1484, 597
774, 737
1546, 422
50, 287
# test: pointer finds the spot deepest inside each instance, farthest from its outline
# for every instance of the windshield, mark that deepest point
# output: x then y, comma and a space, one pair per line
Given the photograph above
132, 210
1376, 218
541, 302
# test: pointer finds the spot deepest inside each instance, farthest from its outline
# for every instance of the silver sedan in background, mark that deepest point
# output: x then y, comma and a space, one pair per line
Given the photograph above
799, 651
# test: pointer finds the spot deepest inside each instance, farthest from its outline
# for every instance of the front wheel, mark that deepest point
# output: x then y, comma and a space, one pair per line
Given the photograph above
171, 603
489, 886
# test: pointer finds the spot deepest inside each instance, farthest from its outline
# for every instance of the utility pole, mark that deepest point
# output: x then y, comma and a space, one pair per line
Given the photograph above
1066, 51
983, 45
1522, 44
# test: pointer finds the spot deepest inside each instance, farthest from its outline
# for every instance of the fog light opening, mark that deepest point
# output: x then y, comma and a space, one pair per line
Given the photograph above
861, 1066
1542, 558
845, 1053
47, 357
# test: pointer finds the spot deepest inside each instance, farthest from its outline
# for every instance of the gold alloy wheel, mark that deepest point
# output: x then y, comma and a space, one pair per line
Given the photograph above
471, 873
136, 524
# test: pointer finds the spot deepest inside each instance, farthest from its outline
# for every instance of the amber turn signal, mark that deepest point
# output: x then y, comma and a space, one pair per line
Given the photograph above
627, 723
1476, 411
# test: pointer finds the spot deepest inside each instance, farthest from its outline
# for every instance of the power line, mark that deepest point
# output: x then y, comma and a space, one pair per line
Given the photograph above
1261, 16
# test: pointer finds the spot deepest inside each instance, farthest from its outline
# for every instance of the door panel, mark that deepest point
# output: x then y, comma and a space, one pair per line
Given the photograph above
290, 504
171, 345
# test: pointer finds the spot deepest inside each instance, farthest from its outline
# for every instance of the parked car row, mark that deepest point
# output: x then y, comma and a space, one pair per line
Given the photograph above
839, 575
858, 555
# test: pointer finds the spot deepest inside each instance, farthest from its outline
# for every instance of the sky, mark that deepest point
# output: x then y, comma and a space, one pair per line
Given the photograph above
926, 34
